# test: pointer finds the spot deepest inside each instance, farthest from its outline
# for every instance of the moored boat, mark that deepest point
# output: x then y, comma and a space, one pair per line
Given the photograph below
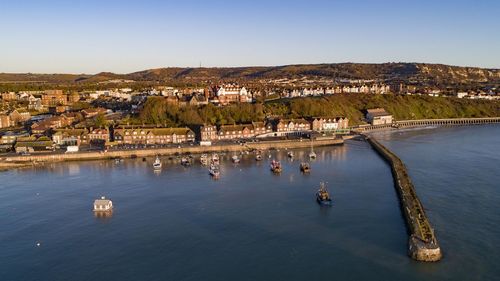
214, 171
157, 163
323, 196
290, 154
204, 159
214, 159
185, 161
103, 205
276, 166
312, 154
258, 157
235, 159
305, 167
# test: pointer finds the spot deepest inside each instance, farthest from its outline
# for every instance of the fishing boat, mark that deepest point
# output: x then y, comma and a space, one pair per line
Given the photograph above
214, 171
235, 159
305, 167
258, 157
290, 154
322, 196
276, 166
204, 159
157, 163
215, 159
185, 161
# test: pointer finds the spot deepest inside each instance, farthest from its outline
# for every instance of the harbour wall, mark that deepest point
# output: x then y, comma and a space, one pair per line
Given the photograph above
428, 122
422, 243
22, 160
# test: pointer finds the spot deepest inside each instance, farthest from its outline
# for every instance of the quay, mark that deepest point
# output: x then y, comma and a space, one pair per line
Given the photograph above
422, 243
429, 122
28, 160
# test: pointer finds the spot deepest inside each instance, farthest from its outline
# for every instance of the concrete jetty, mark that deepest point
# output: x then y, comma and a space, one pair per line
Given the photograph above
422, 243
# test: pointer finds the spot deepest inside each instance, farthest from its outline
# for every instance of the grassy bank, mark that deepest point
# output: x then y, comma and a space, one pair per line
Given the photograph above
402, 107
159, 111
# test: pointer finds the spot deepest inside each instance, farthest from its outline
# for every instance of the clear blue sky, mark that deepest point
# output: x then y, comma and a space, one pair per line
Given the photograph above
126, 36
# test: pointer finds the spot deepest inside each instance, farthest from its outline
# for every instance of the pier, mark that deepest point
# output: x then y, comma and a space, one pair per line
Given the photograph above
429, 122
422, 243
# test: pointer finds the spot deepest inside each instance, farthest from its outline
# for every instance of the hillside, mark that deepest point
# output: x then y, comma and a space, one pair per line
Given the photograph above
159, 111
429, 74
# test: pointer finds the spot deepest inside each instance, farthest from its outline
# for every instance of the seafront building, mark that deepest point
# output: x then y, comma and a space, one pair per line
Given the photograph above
378, 116
152, 136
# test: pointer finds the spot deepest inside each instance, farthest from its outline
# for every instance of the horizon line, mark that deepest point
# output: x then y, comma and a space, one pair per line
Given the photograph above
252, 66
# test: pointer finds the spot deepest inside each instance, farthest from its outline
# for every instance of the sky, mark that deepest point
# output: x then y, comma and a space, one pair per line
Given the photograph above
126, 36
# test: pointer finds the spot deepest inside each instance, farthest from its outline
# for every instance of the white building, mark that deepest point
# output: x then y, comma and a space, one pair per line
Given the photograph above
378, 116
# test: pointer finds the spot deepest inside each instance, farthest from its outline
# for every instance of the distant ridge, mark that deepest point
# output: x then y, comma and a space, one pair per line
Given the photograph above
421, 72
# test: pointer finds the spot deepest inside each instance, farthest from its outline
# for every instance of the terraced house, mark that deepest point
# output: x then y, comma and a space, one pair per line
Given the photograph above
321, 124
149, 136
243, 131
71, 137
292, 125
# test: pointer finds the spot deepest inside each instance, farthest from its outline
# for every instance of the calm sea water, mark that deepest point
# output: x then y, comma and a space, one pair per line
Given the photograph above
252, 225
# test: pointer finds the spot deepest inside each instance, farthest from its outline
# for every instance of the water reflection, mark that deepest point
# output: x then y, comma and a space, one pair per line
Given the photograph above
103, 215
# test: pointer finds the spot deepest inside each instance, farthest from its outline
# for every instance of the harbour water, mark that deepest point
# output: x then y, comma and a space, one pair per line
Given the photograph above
250, 224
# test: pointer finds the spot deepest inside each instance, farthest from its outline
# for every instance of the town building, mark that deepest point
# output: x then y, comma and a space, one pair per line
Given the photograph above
291, 125
47, 124
98, 136
33, 144
34, 103
10, 96
71, 137
5, 121
322, 124
150, 136
53, 98
19, 116
232, 93
11, 137
378, 116
207, 133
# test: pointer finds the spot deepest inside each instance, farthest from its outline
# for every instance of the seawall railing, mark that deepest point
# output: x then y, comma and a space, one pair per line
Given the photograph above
428, 122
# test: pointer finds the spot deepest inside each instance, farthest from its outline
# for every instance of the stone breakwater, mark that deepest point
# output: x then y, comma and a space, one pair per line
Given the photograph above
422, 244
28, 160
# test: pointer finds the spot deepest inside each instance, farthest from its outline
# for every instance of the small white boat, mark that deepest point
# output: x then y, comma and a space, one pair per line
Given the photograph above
214, 171
235, 159
204, 159
185, 161
290, 154
258, 157
215, 159
103, 205
157, 163
312, 155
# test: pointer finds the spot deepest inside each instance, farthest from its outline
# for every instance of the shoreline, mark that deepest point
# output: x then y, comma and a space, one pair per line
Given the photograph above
19, 161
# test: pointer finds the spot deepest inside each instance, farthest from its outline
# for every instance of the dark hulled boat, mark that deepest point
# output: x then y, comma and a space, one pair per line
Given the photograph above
305, 167
276, 167
322, 196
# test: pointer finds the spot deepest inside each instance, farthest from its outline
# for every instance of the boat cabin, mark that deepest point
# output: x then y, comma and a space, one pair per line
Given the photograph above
103, 205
